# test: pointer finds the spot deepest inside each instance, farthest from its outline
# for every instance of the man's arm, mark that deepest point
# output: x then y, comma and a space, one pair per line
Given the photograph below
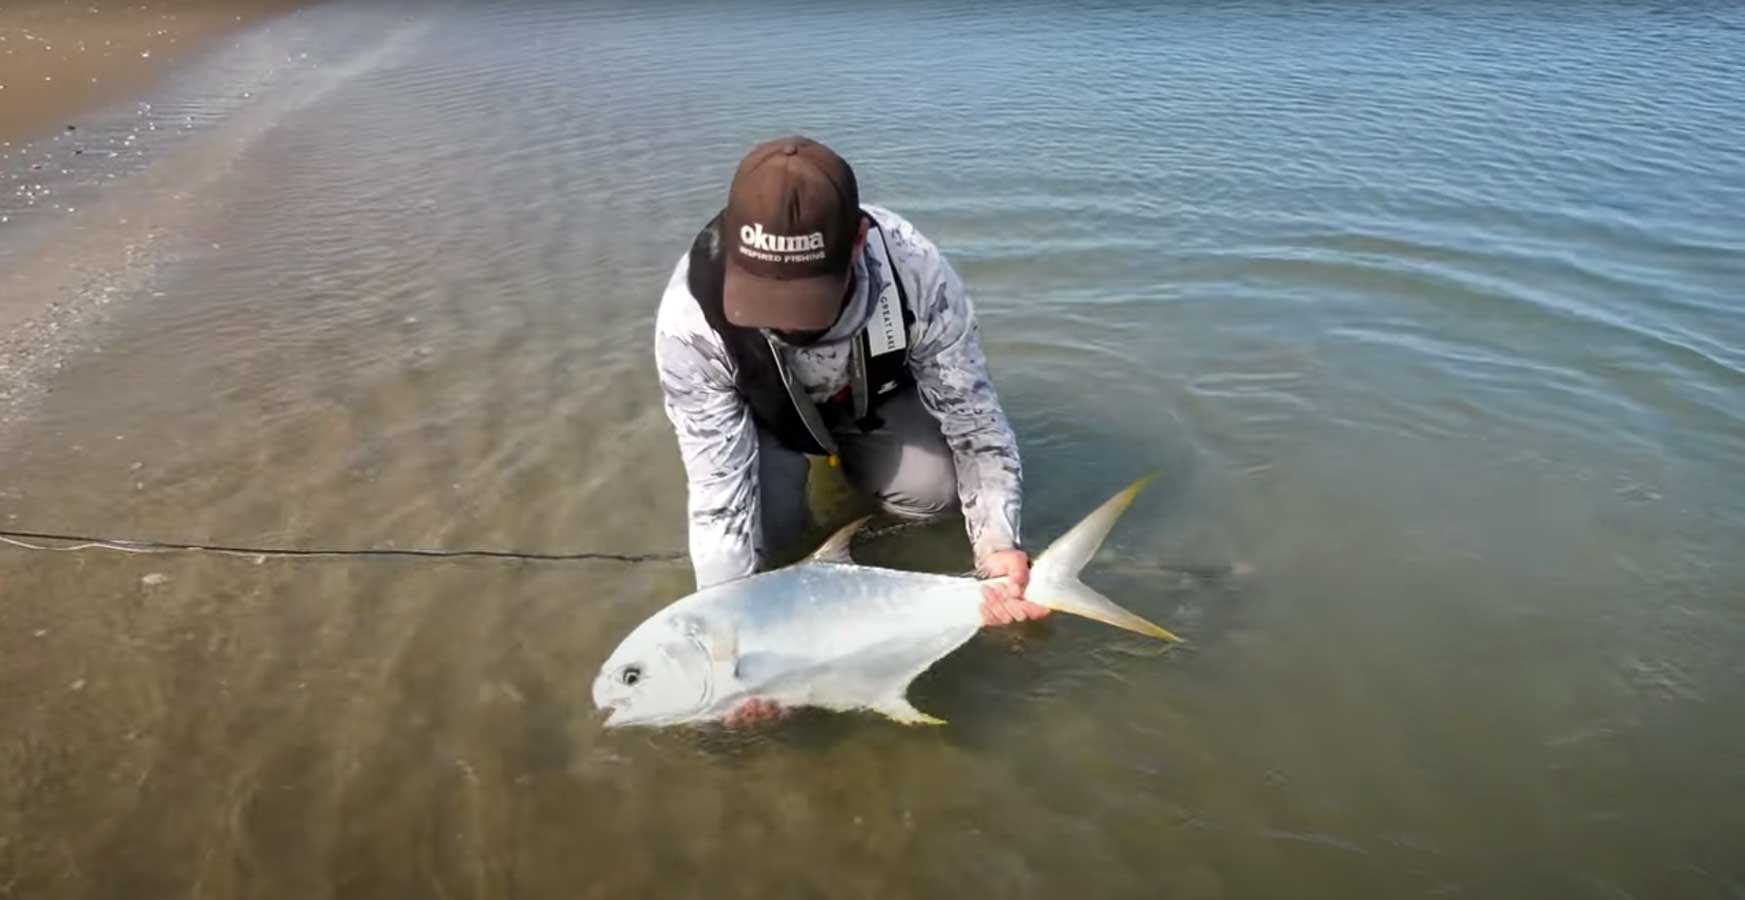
952, 375
718, 442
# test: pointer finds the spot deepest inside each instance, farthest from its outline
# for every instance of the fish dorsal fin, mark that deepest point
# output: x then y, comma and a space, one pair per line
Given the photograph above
836, 548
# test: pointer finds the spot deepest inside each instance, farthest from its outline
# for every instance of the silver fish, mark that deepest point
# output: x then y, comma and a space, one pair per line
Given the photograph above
828, 633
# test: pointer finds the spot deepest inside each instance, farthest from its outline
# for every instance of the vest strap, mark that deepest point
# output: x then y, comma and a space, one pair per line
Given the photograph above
864, 360
809, 414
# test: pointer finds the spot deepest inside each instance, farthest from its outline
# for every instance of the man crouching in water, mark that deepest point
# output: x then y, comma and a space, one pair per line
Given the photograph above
802, 323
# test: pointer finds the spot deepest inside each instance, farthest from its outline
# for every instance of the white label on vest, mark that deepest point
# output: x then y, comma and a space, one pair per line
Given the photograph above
884, 332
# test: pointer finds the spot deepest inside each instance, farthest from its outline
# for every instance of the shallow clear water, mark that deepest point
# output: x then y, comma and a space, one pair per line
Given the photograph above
1429, 315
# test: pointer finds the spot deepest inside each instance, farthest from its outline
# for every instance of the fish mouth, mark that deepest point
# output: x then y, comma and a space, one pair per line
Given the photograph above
613, 709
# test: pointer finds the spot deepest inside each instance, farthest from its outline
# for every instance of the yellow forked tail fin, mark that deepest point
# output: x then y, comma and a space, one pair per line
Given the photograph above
1054, 579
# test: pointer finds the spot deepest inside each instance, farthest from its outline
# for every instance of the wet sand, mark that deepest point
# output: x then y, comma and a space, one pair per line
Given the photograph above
61, 59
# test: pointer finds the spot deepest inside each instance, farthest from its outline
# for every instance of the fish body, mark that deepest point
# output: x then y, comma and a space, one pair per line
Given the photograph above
829, 633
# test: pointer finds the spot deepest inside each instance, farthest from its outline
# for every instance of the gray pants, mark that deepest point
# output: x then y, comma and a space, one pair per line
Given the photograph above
905, 464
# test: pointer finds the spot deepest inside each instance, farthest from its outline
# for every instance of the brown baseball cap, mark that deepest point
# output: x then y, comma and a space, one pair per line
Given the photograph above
792, 217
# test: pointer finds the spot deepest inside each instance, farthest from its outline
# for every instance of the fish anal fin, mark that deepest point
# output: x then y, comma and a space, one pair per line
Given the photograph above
835, 549
903, 712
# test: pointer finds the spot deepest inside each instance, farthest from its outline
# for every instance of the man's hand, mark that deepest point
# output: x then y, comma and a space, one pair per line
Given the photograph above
1004, 603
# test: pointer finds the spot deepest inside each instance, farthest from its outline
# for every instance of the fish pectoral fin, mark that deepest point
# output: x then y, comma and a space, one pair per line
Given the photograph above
763, 666
836, 548
717, 638
902, 711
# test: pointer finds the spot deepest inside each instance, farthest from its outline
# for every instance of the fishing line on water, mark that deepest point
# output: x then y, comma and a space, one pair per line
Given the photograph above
76, 543
80, 542
84, 542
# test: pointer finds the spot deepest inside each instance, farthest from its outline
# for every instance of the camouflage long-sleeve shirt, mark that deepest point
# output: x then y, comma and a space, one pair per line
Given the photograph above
718, 436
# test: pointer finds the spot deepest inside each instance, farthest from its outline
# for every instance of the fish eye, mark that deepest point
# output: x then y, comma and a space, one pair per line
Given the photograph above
631, 675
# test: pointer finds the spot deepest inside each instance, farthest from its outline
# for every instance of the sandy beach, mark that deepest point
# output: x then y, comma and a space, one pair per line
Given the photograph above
60, 59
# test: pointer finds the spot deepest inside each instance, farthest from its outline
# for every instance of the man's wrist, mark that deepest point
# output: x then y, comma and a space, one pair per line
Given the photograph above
982, 556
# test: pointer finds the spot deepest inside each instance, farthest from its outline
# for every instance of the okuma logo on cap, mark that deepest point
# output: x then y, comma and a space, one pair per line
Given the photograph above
757, 243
